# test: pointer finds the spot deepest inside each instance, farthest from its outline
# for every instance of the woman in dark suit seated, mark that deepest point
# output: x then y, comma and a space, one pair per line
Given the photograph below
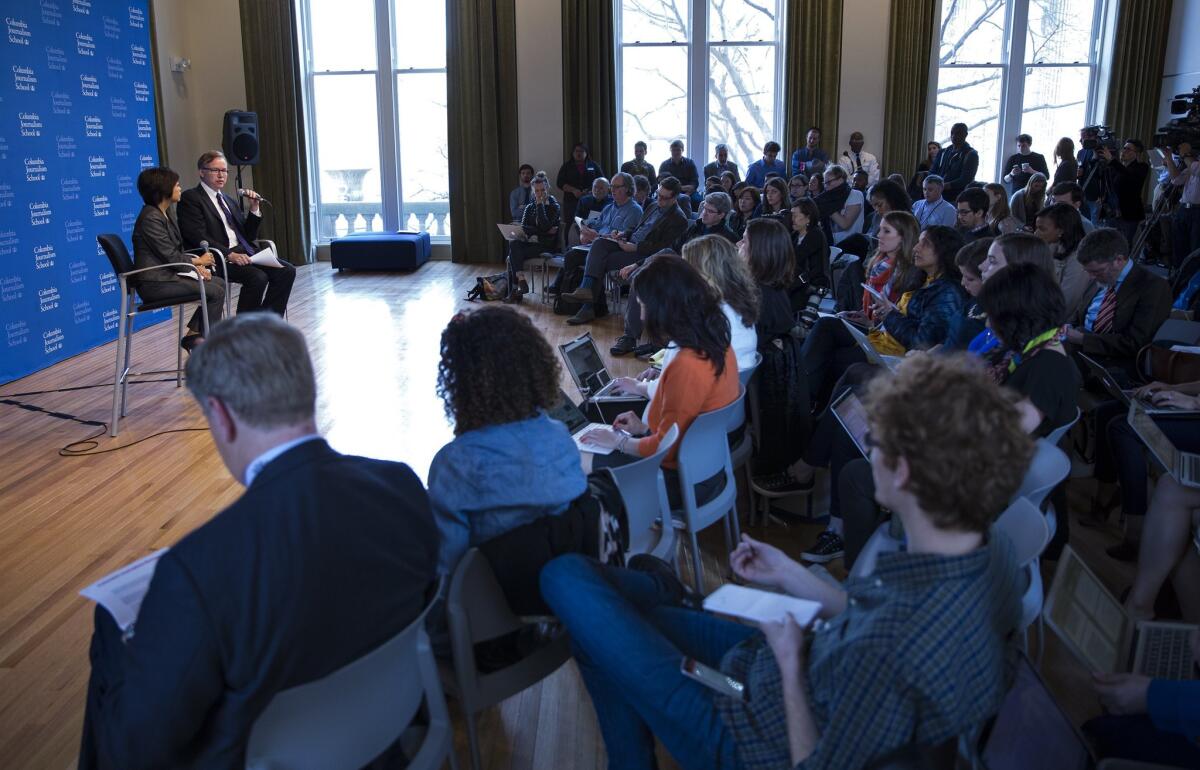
156, 242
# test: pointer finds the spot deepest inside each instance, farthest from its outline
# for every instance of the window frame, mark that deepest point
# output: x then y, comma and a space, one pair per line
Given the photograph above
695, 132
386, 74
1012, 88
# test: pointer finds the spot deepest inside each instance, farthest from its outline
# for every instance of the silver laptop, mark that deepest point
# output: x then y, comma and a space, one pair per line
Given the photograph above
588, 371
852, 416
1184, 467
873, 356
1096, 628
577, 423
513, 232
1126, 395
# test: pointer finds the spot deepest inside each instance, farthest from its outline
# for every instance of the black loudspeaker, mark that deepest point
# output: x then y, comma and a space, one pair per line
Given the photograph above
239, 139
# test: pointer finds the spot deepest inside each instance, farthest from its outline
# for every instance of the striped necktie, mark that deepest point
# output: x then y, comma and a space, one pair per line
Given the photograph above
1104, 316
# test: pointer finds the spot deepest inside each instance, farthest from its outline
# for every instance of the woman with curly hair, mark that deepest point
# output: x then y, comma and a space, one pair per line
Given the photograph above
497, 378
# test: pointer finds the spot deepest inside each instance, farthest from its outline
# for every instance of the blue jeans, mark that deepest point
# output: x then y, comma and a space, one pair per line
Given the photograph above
629, 641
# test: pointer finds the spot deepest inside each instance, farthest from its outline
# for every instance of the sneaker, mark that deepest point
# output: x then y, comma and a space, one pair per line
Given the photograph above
781, 483
585, 315
583, 294
829, 546
623, 346
646, 351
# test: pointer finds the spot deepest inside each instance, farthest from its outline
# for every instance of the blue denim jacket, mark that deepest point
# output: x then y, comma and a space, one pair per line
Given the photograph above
490, 480
927, 319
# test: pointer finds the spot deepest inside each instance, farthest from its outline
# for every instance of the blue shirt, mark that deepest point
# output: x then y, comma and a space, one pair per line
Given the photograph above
802, 159
756, 175
940, 213
1093, 309
644, 229
616, 218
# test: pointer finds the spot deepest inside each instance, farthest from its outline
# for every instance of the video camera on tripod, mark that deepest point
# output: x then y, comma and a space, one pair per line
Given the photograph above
1102, 137
1185, 129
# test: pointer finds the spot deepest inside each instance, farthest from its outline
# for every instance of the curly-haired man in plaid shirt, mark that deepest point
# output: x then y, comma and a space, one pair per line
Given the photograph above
909, 656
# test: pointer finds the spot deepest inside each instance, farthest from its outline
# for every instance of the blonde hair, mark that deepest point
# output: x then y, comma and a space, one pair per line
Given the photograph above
715, 258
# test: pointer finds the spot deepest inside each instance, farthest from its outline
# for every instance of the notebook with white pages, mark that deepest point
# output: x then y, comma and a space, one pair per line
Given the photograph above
121, 592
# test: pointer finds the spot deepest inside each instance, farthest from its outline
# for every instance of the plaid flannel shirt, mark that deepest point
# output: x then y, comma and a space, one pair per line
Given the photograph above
921, 654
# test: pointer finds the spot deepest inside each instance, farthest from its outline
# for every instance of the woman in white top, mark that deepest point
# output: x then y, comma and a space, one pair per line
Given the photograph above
848, 221
717, 260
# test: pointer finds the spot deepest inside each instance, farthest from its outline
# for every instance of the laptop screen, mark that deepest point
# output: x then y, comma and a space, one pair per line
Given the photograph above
853, 416
1086, 615
1031, 730
567, 413
1155, 439
587, 368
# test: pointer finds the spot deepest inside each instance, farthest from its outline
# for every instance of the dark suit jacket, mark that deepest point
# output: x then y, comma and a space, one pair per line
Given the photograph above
1143, 303
156, 241
322, 559
957, 168
199, 219
665, 231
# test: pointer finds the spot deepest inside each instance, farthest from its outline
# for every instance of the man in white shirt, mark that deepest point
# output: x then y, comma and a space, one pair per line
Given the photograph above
849, 220
857, 159
206, 214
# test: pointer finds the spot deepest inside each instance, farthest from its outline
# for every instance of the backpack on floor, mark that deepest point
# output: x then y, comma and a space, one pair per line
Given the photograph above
571, 278
489, 288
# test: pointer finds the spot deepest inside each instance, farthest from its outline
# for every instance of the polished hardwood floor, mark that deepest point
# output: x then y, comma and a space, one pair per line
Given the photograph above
65, 521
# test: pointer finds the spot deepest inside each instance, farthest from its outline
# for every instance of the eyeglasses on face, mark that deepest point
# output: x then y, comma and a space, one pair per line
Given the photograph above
217, 171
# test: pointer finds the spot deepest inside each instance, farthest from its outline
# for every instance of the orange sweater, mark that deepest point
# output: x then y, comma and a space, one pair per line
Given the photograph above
688, 388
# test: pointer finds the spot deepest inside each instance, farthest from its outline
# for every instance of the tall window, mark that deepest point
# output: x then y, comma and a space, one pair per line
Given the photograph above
1007, 67
378, 144
705, 71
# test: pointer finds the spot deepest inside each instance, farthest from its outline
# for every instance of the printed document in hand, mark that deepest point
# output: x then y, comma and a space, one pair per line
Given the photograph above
265, 258
760, 606
121, 592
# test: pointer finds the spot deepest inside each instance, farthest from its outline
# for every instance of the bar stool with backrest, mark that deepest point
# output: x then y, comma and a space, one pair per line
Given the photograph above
122, 264
703, 453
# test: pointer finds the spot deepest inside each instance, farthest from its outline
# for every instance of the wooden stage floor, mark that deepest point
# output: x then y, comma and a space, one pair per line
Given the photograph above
65, 521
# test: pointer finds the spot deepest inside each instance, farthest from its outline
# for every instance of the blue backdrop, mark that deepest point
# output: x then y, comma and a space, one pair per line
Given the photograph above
76, 126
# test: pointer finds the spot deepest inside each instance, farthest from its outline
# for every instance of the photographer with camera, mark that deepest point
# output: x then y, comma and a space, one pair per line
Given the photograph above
1090, 176
1126, 174
1186, 222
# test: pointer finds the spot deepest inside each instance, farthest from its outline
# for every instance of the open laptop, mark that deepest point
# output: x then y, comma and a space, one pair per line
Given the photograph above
588, 371
577, 424
1099, 632
1184, 467
873, 356
1123, 392
1031, 730
852, 416
513, 232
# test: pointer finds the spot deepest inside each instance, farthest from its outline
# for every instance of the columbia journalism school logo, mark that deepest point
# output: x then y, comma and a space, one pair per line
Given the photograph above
23, 78
60, 102
56, 59
9, 242
35, 170
70, 188
82, 7
52, 339
89, 86
100, 205
85, 45
121, 146
108, 283
137, 18
18, 31
97, 165
65, 146
30, 123
125, 185
116, 70
51, 13
128, 220
143, 128
78, 271
82, 310
93, 127
39, 213
112, 28
44, 256
16, 332
6, 196
73, 230
110, 318
137, 55
118, 107
12, 288
145, 162
49, 298
141, 91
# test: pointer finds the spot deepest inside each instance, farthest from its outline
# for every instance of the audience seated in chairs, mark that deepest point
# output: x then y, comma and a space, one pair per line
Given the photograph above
811, 253
642, 189
621, 214
756, 175
1072, 194
805, 159
661, 224
972, 207
1028, 201
1061, 227
322, 559
683, 169
848, 219
522, 194
914, 189
871, 677
956, 165
541, 223
728, 180
999, 216
575, 178
886, 195
594, 202
971, 322
156, 241
746, 203
775, 201
722, 165
932, 208
509, 463
682, 312
639, 166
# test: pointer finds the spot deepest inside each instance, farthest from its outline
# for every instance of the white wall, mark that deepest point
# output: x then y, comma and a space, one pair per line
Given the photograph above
864, 62
1181, 67
539, 85
195, 101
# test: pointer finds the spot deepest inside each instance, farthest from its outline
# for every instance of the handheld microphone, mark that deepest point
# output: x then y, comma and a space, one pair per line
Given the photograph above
204, 246
252, 196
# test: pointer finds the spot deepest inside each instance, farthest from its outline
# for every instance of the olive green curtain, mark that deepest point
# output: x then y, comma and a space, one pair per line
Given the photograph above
1139, 50
481, 79
910, 45
590, 80
812, 72
274, 89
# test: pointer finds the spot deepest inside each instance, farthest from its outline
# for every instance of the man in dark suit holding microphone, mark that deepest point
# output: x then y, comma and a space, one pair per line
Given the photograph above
206, 214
